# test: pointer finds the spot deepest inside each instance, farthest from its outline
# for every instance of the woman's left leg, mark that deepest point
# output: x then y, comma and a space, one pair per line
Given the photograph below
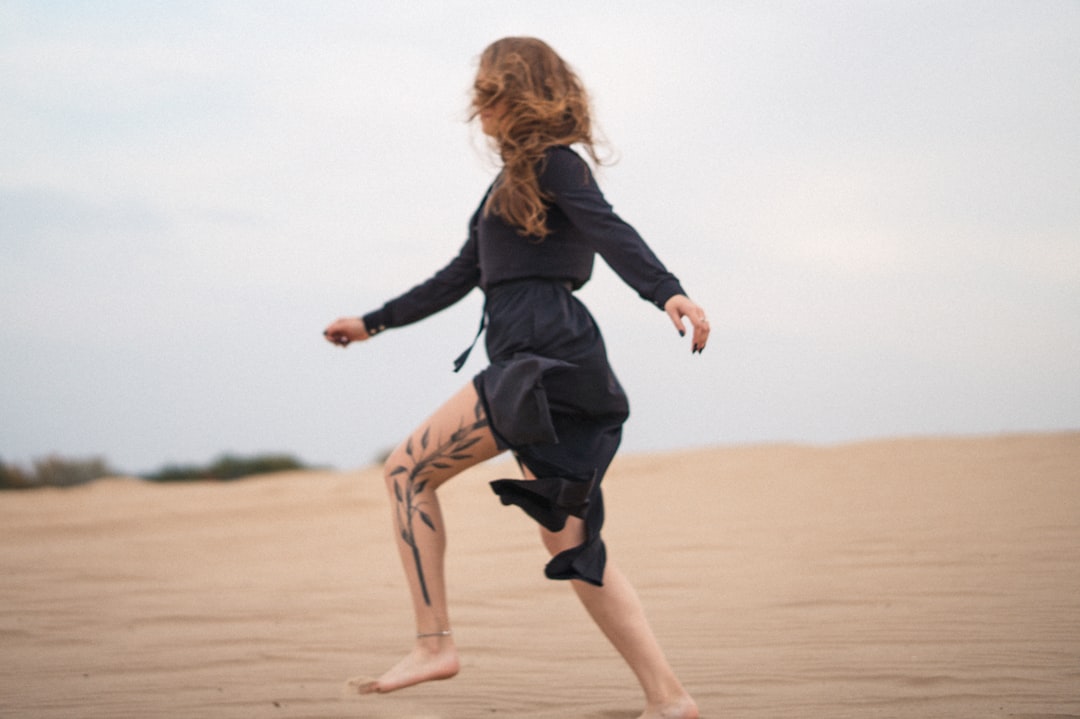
456, 437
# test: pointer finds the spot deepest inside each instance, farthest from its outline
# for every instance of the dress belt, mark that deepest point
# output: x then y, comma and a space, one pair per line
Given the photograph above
464, 356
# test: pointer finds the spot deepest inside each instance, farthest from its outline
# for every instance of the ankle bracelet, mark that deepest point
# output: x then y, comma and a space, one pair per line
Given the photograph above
443, 633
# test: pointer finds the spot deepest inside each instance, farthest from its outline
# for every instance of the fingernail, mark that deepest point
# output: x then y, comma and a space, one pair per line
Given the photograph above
682, 333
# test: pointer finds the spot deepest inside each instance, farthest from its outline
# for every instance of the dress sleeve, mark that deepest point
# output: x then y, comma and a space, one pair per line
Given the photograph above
568, 180
443, 289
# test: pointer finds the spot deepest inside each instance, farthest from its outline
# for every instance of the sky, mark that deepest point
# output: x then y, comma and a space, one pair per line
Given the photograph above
878, 204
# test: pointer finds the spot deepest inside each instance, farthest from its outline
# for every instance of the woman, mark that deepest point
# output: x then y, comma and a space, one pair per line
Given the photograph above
548, 394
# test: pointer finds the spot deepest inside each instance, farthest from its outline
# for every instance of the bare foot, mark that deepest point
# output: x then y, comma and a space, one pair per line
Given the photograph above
425, 663
683, 708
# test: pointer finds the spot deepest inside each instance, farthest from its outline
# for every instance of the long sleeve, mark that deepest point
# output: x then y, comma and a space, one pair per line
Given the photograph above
567, 178
443, 289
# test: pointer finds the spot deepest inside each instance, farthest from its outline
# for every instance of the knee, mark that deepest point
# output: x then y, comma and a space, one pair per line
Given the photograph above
396, 465
550, 541
400, 469
572, 535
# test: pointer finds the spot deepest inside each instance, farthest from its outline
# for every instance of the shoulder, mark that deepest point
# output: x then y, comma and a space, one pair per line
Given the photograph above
562, 168
562, 157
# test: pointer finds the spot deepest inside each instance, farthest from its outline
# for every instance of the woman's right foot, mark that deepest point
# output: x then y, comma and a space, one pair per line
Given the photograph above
428, 661
683, 708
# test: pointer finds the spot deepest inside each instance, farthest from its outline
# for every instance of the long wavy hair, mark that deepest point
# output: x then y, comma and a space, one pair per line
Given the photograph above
543, 104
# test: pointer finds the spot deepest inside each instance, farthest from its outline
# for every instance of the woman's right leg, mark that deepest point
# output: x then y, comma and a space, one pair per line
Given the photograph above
617, 611
456, 437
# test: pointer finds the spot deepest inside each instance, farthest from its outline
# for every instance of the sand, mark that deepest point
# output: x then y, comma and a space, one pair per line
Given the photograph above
901, 578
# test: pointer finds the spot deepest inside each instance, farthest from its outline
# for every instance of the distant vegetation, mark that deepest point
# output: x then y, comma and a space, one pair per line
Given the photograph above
53, 471
228, 466
57, 471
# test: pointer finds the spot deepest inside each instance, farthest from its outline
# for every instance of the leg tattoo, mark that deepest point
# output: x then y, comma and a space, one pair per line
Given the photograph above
411, 481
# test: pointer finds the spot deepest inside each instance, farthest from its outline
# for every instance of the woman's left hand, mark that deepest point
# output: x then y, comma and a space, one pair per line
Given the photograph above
679, 307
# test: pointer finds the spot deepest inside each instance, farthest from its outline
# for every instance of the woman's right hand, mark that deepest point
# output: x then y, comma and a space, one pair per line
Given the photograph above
345, 330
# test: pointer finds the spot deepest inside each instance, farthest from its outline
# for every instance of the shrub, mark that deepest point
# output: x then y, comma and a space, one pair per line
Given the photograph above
178, 473
13, 477
228, 467
54, 471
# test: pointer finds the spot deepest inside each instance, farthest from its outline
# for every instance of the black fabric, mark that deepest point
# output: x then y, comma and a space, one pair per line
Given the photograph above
549, 391
582, 224
562, 417
515, 387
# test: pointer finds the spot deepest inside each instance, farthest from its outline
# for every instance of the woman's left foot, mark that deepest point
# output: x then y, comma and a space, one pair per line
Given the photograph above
422, 664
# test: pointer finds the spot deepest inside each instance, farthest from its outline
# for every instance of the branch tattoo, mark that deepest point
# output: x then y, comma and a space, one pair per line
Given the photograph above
411, 481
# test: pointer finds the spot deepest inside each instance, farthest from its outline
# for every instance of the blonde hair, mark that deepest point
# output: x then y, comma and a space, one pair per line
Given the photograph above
543, 104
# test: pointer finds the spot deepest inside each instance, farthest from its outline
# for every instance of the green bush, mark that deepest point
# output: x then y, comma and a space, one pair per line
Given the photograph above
228, 467
12, 477
178, 473
54, 471
57, 471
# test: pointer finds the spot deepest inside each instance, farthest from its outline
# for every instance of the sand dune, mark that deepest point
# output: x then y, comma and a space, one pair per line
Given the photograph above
904, 578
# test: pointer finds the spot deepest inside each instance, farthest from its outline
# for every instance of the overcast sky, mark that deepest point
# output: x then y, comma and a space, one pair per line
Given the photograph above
877, 202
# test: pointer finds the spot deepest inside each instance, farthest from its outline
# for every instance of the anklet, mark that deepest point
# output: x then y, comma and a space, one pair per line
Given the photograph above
443, 633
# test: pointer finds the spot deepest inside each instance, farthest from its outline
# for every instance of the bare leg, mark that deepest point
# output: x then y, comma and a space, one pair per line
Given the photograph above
616, 609
456, 437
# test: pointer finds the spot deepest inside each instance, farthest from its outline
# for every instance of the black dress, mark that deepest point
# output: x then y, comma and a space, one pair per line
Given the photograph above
550, 395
